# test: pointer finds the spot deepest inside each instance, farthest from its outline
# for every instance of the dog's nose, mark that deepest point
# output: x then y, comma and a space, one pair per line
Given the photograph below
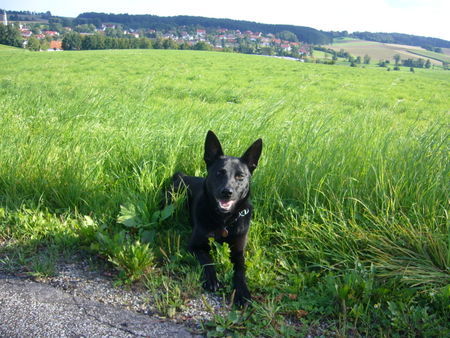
227, 192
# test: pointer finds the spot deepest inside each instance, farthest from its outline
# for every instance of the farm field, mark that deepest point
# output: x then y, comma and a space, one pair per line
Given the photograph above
382, 51
432, 55
350, 234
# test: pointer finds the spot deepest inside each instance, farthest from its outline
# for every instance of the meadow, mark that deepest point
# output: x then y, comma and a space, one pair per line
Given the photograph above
385, 51
351, 193
433, 55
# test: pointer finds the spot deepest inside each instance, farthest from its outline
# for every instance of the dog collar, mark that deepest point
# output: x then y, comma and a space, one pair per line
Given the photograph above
242, 213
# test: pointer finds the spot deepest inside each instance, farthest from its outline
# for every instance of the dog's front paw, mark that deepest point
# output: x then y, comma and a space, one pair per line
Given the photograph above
211, 282
242, 296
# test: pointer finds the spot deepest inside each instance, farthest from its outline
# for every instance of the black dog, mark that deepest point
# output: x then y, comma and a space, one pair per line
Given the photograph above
220, 207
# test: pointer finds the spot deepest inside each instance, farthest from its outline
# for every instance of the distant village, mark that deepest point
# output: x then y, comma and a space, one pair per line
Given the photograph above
217, 39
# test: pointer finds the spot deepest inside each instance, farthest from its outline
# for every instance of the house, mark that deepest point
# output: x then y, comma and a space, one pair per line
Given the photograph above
50, 33
26, 33
201, 32
286, 47
108, 25
185, 36
55, 45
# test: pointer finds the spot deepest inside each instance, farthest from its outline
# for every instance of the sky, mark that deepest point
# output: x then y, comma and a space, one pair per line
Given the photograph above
417, 17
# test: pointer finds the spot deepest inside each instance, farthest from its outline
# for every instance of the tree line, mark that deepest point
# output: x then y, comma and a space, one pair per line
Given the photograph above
26, 15
76, 41
403, 39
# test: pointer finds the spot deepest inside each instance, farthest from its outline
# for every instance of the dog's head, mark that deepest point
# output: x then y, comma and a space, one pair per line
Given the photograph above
228, 180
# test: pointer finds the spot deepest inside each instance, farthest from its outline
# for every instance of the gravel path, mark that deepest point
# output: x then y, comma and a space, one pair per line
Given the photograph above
30, 309
80, 301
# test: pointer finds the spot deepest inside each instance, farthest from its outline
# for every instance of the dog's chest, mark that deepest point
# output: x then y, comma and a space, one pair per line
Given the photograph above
238, 225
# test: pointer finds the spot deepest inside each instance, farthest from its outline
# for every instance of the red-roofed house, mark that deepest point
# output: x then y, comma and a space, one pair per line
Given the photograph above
55, 45
26, 33
286, 47
50, 33
201, 32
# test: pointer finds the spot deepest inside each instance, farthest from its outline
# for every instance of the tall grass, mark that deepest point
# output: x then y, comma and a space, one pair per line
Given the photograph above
354, 169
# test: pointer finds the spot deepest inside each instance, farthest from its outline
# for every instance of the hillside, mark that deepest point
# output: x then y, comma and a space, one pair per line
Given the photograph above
385, 51
402, 39
304, 34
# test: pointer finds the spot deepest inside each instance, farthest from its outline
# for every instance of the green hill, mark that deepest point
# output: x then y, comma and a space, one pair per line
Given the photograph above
304, 34
384, 51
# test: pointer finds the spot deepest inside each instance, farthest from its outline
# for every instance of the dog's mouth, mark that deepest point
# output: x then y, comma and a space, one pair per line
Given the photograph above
226, 205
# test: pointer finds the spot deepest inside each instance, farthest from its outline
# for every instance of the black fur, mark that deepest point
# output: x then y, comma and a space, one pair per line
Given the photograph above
220, 207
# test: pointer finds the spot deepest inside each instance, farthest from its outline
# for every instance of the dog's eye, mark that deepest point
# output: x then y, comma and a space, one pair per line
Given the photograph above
221, 172
240, 177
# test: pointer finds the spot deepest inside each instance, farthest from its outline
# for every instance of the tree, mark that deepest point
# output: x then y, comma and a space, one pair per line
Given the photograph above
33, 44
366, 59
55, 26
397, 59
72, 41
44, 44
158, 43
85, 28
145, 43
428, 64
201, 45
185, 46
286, 35
10, 35
169, 44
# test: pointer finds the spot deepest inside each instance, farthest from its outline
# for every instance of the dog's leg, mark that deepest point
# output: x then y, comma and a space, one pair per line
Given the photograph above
201, 249
237, 247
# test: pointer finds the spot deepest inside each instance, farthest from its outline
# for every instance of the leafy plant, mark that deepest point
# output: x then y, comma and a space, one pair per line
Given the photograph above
146, 229
132, 259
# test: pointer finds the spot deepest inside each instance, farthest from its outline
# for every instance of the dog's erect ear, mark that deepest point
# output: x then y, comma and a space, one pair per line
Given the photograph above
251, 156
213, 149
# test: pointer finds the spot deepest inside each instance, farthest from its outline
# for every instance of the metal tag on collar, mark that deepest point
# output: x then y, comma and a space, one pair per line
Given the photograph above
244, 212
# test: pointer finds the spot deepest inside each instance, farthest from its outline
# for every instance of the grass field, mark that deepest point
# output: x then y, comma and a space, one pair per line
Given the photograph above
10, 49
432, 55
351, 193
383, 51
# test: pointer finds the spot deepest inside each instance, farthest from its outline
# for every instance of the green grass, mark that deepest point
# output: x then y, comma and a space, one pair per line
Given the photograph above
10, 49
433, 55
351, 193
322, 55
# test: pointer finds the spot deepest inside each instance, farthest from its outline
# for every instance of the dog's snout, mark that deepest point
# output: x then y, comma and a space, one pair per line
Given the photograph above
227, 192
